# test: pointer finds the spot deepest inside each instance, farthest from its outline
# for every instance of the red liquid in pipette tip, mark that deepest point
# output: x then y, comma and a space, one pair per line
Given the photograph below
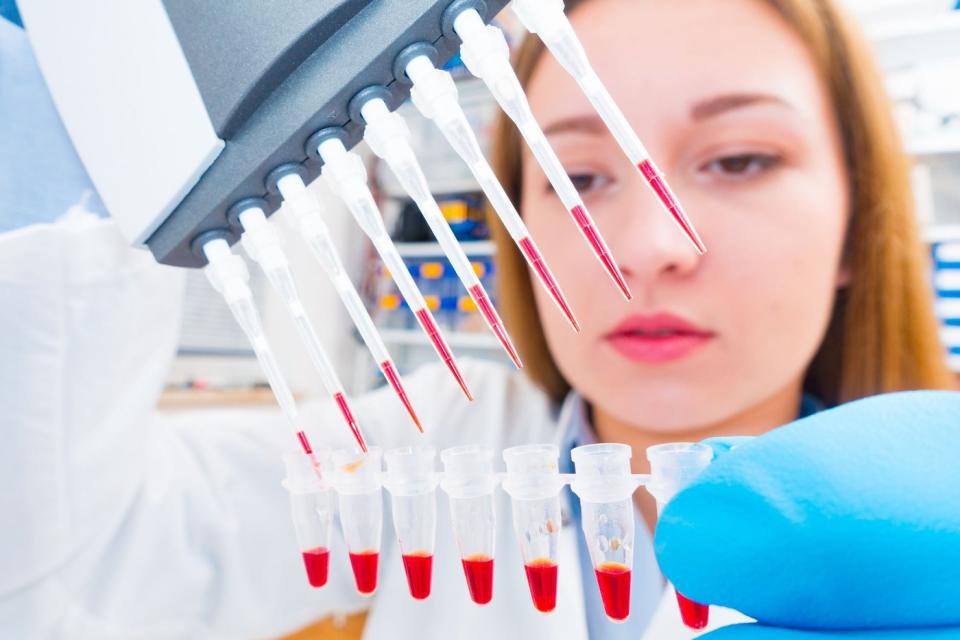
613, 579
493, 320
542, 578
364, 565
433, 332
670, 202
317, 562
478, 569
600, 249
693, 614
390, 373
532, 254
351, 421
304, 443
419, 568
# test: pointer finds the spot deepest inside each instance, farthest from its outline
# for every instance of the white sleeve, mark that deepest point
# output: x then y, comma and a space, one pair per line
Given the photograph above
186, 530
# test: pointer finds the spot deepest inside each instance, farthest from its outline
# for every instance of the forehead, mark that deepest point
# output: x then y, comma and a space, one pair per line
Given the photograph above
658, 57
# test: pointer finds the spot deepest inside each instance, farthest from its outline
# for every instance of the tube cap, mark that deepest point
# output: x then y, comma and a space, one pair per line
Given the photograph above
410, 471
674, 465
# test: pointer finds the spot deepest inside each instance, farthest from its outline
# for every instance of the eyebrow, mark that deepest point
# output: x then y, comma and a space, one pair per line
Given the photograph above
701, 110
717, 105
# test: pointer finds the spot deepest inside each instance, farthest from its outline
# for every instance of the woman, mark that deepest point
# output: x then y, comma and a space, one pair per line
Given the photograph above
771, 124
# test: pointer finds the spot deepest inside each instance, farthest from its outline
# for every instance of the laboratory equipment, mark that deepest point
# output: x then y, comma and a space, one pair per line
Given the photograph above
388, 137
346, 175
672, 467
311, 505
412, 483
306, 212
262, 244
434, 93
486, 54
533, 482
605, 486
469, 482
547, 19
358, 483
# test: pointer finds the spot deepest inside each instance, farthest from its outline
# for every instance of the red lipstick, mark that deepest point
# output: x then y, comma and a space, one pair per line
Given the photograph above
657, 338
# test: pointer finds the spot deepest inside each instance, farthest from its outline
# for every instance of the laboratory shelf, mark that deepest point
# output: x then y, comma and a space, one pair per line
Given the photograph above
934, 145
929, 36
433, 250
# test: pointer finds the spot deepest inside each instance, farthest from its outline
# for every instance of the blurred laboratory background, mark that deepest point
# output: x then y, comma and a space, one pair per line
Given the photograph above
918, 44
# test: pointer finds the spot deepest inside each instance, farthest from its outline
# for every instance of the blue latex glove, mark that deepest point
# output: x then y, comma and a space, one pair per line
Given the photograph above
845, 524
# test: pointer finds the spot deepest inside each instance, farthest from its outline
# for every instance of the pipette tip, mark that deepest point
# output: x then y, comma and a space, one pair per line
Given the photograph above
390, 373
535, 260
489, 312
670, 202
351, 421
599, 247
304, 443
433, 332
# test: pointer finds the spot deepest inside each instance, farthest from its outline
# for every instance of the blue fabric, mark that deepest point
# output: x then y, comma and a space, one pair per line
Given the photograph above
9, 11
40, 174
848, 520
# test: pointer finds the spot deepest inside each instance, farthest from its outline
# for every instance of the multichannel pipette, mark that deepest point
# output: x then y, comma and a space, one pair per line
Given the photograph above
262, 244
547, 19
388, 137
486, 54
434, 93
228, 274
346, 174
306, 210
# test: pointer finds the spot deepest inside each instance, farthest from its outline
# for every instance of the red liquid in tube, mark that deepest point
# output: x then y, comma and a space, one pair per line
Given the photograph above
419, 568
542, 578
693, 614
317, 562
613, 579
364, 565
479, 572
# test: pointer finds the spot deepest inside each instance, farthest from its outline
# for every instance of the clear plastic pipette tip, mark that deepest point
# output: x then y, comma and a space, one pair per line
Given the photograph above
429, 325
599, 247
489, 313
390, 373
535, 259
660, 187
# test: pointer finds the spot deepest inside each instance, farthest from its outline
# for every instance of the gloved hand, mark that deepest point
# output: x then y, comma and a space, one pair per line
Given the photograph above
845, 524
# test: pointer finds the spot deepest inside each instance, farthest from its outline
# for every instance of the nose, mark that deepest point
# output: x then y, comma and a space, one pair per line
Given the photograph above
648, 244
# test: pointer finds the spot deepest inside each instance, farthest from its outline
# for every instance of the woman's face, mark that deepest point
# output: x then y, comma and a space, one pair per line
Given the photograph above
727, 101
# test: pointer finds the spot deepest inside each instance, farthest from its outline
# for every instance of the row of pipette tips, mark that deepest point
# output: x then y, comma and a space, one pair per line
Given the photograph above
602, 481
486, 55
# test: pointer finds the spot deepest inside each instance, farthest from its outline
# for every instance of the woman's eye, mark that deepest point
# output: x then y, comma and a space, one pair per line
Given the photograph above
584, 182
742, 165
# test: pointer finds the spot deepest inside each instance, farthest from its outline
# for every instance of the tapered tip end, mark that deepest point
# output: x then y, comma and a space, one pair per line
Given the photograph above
390, 373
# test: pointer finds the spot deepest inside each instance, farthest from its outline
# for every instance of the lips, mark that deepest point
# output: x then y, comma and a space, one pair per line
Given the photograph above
657, 338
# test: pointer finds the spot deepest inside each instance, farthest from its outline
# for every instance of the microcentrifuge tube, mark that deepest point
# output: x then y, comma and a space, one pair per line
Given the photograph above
547, 19
412, 483
486, 55
358, 484
388, 137
306, 210
533, 482
672, 467
311, 505
346, 174
263, 245
434, 93
605, 487
469, 483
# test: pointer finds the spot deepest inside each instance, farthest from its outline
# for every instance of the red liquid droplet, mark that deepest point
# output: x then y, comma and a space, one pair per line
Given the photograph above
364, 566
390, 373
317, 562
419, 568
493, 320
600, 249
542, 578
532, 254
351, 421
694, 614
479, 571
433, 332
670, 202
614, 581
304, 443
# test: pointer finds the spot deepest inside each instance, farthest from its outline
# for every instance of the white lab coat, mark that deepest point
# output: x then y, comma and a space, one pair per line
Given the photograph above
121, 523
